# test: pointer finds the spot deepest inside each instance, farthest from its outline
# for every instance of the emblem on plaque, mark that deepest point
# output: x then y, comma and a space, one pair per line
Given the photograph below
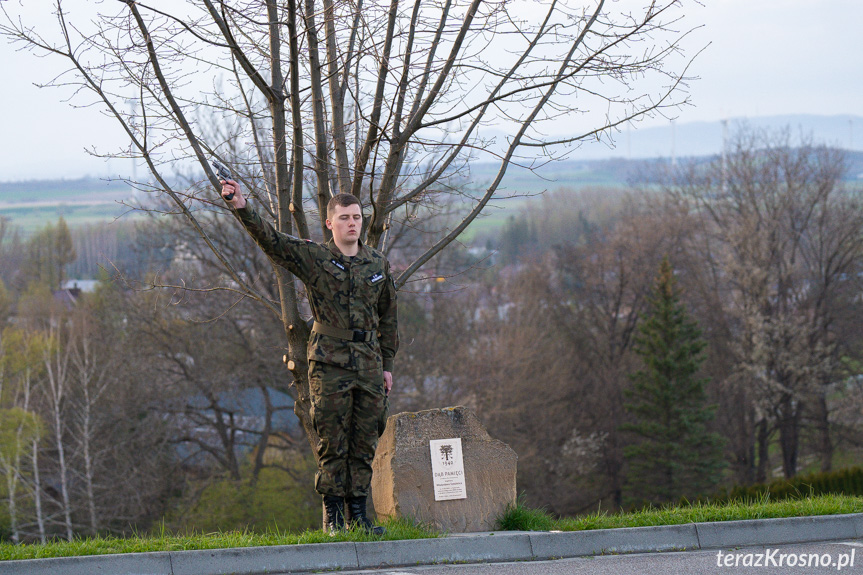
447, 469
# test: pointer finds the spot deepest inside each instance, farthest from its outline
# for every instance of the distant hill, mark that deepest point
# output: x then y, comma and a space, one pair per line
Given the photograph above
609, 172
30, 204
705, 138
78, 190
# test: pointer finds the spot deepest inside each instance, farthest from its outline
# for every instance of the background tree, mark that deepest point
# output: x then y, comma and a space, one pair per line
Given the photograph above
5, 305
782, 246
552, 335
49, 252
387, 101
20, 425
58, 382
675, 454
165, 375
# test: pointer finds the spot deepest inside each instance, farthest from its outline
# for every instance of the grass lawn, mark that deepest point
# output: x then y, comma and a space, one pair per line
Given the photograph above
396, 529
520, 518
517, 518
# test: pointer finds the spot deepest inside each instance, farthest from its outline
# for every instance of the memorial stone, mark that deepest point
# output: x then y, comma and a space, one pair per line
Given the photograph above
403, 484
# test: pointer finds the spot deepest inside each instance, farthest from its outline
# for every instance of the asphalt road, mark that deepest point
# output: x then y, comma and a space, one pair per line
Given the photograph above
808, 559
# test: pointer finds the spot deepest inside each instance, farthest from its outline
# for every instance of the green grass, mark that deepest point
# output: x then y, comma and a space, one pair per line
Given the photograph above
518, 517
396, 529
521, 518
32, 218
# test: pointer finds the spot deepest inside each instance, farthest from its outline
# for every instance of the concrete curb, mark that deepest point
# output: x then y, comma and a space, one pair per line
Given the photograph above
777, 531
626, 540
469, 548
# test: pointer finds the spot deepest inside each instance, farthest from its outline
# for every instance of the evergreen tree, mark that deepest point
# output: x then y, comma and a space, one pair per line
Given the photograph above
675, 455
515, 238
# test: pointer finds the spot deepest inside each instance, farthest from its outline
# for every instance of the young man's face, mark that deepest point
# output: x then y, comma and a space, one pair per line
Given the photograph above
346, 223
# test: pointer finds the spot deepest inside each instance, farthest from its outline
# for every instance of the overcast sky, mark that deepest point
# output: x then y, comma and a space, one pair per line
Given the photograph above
766, 57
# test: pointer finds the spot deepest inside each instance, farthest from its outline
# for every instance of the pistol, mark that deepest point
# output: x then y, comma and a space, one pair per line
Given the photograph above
224, 174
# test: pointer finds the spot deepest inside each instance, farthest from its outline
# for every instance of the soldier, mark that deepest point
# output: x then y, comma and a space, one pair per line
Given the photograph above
351, 349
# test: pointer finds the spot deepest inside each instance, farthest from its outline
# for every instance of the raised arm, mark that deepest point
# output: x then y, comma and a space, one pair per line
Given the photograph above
294, 254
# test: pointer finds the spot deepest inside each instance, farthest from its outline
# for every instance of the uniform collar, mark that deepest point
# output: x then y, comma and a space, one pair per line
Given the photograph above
364, 254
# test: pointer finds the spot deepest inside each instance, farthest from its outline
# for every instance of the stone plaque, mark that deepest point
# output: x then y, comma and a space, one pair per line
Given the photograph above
403, 482
447, 469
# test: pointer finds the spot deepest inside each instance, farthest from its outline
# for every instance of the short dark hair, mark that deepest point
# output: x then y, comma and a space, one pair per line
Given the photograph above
343, 200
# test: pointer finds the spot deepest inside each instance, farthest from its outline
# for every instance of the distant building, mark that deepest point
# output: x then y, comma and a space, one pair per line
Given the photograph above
85, 286
71, 290
67, 297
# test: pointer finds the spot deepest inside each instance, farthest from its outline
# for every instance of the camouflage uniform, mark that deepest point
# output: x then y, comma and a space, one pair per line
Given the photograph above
350, 297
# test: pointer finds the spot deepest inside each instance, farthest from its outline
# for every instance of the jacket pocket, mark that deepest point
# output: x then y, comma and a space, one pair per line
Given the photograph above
336, 269
373, 285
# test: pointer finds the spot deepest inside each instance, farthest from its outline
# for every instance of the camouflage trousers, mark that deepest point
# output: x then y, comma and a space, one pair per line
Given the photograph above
349, 413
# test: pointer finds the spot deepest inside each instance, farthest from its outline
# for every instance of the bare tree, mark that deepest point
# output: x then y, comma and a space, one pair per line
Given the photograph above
91, 366
781, 248
57, 360
389, 101
122, 461
20, 426
37, 491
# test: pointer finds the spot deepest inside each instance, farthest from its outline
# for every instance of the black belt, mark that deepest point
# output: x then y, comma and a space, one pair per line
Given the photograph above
346, 334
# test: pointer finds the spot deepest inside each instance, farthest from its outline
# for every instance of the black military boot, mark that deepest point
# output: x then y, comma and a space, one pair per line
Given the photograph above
357, 510
334, 513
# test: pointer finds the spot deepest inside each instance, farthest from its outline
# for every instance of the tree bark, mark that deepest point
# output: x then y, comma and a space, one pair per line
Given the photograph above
822, 424
763, 452
37, 493
789, 433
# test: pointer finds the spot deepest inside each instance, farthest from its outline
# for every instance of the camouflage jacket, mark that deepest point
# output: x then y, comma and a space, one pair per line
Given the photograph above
353, 293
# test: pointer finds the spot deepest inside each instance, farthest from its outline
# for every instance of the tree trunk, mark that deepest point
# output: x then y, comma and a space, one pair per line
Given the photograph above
763, 455
789, 431
265, 437
614, 465
290, 194
11, 488
744, 438
822, 423
64, 479
57, 381
88, 463
321, 153
37, 493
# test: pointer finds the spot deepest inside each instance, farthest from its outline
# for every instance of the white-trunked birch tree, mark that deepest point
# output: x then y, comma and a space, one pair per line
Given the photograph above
20, 429
390, 101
